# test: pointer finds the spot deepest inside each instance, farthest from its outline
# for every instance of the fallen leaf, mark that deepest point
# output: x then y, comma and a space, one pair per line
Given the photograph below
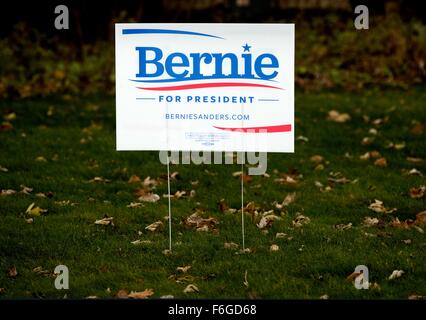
149, 197
138, 242
290, 198
2, 290
40, 159
230, 245
274, 247
105, 221
141, 295
7, 192
353, 276
267, 220
10, 116
417, 192
335, 116
35, 211
300, 220
281, 235
122, 294
420, 218
134, 205
134, 179
12, 272
417, 129
183, 269
381, 162
148, 182
370, 222
415, 296
246, 283
324, 297
317, 158
26, 190
396, 274
3, 169
154, 226
200, 223
414, 159
342, 227
191, 288
413, 172
377, 206
398, 224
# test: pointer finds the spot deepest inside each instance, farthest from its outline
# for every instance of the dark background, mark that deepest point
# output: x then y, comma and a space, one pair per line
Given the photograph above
93, 20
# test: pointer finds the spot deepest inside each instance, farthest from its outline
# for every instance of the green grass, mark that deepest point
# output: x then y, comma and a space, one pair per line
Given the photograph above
101, 257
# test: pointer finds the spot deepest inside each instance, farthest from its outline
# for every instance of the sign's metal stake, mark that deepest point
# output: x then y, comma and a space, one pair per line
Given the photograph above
242, 205
170, 206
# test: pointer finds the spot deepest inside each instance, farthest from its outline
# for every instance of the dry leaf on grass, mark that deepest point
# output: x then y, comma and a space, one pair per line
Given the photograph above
34, 211
300, 220
154, 226
381, 162
200, 223
396, 274
12, 272
370, 222
420, 218
414, 159
138, 242
134, 205
377, 206
3, 169
183, 269
290, 198
122, 294
324, 297
343, 226
335, 116
105, 221
274, 247
7, 192
267, 219
230, 245
417, 192
141, 295
134, 179
147, 196
148, 182
191, 288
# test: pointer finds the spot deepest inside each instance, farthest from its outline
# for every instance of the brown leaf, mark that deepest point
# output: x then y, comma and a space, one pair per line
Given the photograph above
141, 295
274, 247
201, 224
420, 218
183, 269
154, 226
377, 206
122, 294
12, 272
381, 162
230, 245
134, 179
147, 196
343, 227
417, 192
335, 116
7, 192
105, 221
396, 274
190, 288
290, 198
353, 276
414, 159
317, 158
300, 220
418, 129
369, 222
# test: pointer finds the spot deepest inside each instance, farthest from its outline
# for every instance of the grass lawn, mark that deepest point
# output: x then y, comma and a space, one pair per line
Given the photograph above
58, 145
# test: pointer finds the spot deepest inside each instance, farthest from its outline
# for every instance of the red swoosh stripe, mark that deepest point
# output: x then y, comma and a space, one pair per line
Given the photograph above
279, 128
209, 85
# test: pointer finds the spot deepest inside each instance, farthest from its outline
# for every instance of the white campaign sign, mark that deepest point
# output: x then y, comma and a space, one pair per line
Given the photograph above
201, 87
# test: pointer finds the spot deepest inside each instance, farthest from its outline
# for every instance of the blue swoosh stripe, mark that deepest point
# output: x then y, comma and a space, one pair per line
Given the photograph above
167, 31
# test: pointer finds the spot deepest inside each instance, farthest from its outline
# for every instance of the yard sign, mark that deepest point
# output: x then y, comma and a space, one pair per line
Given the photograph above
216, 87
